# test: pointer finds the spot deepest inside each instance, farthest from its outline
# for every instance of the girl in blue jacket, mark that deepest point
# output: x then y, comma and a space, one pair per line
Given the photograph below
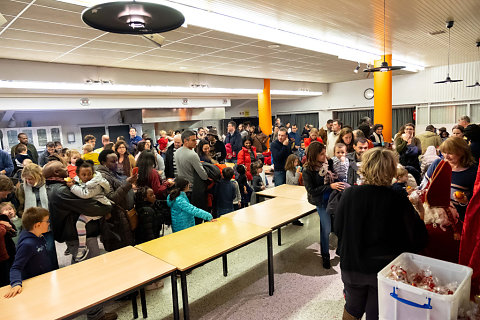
184, 213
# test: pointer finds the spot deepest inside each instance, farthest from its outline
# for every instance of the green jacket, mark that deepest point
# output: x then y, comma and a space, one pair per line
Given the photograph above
429, 138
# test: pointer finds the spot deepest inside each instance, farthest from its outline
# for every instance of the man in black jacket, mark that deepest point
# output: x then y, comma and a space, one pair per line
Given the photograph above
220, 153
170, 166
234, 138
360, 145
280, 151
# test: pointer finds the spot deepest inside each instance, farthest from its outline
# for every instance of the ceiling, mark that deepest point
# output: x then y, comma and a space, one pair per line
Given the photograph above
52, 31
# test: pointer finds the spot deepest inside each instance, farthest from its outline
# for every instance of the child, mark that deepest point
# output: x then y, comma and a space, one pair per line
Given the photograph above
21, 155
340, 162
163, 141
237, 202
183, 213
8, 209
150, 217
7, 246
401, 184
293, 168
89, 184
72, 157
225, 192
243, 185
427, 159
32, 258
88, 154
257, 183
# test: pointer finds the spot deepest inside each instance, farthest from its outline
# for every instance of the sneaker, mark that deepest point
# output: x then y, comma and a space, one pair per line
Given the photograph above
109, 316
67, 252
81, 255
326, 262
297, 223
333, 241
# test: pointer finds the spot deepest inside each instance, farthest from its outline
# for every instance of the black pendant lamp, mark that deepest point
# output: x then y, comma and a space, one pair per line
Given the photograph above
448, 79
384, 67
133, 17
478, 72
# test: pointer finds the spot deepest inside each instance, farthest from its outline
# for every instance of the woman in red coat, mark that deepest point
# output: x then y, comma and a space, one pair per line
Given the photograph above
314, 136
247, 155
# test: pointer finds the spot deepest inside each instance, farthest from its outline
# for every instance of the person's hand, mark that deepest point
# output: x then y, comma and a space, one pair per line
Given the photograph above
133, 178
244, 189
70, 183
337, 186
263, 188
170, 182
239, 204
3, 172
13, 292
6, 224
286, 142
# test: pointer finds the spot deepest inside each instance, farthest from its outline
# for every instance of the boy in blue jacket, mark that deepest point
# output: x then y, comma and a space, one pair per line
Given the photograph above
32, 258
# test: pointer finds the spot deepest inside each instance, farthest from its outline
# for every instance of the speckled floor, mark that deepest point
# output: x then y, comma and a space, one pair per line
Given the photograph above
303, 289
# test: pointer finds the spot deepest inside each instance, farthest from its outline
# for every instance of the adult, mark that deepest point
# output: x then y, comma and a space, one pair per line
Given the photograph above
189, 166
318, 188
367, 131
472, 133
364, 223
354, 159
295, 137
260, 139
218, 147
58, 147
105, 141
337, 125
429, 138
233, 138
445, 244
141, 146
201, 134
6, 163
160, 166
280, 151
288, 126
170, 164
278, 122
313, 137
377, 136
121, 194
49, 150
203, 151
31, 150
247, 155
409, 147
133, 140
126, 162
148, 176
306, 131
242, 131
458, 131
443, 133
90, 139
346, 137
325, 130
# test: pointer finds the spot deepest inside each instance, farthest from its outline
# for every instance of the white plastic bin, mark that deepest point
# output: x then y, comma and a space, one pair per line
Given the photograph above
397, 300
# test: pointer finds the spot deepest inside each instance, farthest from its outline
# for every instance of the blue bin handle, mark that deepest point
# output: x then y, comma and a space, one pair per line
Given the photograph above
411, 303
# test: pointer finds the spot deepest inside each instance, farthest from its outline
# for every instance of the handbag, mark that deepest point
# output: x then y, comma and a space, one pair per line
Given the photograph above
132, 218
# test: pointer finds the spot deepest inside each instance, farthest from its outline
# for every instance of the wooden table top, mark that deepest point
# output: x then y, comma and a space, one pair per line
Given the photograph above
272, 213
72, 289
193, 246
285, 191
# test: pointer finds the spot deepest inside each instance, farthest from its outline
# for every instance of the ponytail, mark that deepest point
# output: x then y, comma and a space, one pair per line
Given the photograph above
180, 185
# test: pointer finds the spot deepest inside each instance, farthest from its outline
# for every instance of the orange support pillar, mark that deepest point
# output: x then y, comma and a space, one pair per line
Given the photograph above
382, 86
265, 109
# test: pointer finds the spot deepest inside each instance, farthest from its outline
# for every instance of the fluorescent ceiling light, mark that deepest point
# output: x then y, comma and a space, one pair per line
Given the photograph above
60, 86
200, 13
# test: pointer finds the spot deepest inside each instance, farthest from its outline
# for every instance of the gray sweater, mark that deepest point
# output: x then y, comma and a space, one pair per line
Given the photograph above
187, 162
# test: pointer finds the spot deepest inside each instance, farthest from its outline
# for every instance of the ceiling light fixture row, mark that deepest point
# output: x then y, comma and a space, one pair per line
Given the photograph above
477, 84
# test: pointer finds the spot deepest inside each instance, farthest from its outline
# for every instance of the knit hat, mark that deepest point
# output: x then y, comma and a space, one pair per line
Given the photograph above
438, 194
213, 132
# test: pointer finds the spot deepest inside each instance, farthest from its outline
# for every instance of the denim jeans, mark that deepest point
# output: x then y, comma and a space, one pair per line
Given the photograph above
325, 229
280, 177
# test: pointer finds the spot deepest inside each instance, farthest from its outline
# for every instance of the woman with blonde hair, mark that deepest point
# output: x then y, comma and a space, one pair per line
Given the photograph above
33, 193
313, 136
372, 232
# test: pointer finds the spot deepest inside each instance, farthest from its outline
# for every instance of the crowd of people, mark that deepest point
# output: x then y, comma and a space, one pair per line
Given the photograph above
128, 191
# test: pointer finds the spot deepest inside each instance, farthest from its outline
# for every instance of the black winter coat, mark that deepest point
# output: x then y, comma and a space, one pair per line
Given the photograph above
317, 191
169, 172
149, 223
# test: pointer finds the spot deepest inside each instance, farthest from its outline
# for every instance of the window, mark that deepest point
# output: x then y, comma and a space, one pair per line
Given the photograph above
55, 134
442, 114
42, 137
475, 113
12, 137
422, 115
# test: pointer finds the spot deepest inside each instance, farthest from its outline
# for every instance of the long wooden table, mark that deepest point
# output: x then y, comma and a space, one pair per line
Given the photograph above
285, 191
70, 291
273, 213
198, 245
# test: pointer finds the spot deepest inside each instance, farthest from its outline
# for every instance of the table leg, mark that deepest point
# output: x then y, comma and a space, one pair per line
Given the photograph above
186, 310
225, 266
271, 287
143, 301
133, 296
173, 279
279, 234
